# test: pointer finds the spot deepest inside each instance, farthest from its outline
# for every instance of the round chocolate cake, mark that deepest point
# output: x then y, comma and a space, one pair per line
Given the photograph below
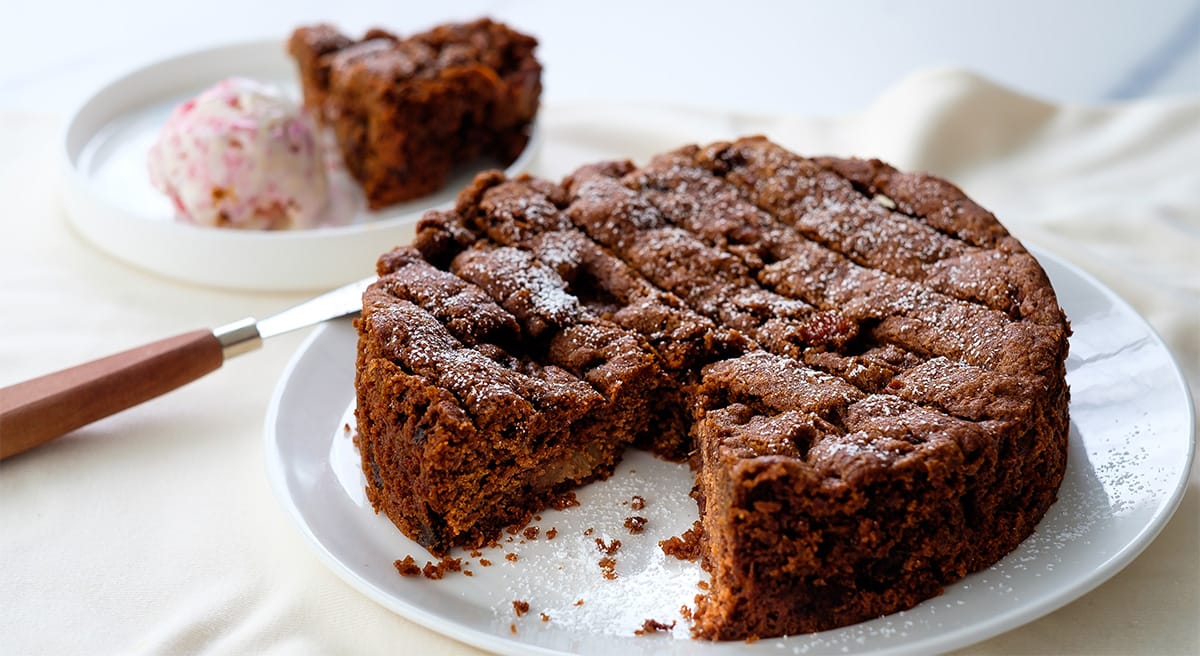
865, 369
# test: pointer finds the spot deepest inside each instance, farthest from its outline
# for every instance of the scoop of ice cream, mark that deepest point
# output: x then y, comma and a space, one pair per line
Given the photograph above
241, 155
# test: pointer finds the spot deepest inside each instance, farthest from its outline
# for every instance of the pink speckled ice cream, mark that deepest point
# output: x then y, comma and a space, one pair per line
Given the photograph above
241, 155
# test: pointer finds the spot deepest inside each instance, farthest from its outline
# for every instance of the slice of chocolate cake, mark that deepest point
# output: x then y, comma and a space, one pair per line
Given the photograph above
407, 110
867, 368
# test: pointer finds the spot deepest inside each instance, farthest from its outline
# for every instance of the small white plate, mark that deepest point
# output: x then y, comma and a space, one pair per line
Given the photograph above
1131, 445
109, 198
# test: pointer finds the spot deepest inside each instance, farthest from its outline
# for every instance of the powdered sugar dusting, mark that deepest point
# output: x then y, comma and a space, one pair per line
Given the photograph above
547, 290
1128, 452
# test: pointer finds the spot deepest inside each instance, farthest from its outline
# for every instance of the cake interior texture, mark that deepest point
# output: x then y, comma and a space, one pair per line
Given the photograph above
407, 110
865, 369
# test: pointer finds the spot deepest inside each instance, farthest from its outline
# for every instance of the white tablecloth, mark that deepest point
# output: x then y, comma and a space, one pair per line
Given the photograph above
155, 531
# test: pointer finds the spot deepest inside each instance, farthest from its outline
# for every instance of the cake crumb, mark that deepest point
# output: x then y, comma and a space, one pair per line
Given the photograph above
408, 566
639, 502
552, 533
652, 626
703, 585
686, 546
579, 602
565, 501
537, 518
512, 530
484, 562
530, 532
685, 612
588, 531
512, 628
438, 570
545, 617
346, 429
520, 607
475, 553
608, 567
511, 557
467, 572
610, 548
635, 524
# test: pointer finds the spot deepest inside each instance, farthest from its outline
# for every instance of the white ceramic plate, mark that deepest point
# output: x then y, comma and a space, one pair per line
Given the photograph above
1131, 446
110, 200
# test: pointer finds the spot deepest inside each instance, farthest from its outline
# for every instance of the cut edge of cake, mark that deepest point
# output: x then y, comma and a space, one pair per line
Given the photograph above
407, 111
866, 369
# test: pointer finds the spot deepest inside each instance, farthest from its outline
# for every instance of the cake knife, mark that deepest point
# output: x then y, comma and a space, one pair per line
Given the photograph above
38, 410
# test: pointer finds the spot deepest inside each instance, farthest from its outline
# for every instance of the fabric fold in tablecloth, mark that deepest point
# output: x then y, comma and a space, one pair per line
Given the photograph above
156, 532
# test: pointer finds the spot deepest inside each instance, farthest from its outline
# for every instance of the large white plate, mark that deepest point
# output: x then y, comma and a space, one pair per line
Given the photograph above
109, 198
1131, 446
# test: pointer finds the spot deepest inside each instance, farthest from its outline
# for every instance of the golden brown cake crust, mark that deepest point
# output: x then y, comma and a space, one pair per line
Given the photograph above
867, 367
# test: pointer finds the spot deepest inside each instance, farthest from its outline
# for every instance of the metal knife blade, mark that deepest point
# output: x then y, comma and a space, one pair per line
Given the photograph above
247, 334
38, 410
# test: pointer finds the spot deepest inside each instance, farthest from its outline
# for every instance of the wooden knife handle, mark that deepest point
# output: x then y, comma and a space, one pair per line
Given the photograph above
39, 410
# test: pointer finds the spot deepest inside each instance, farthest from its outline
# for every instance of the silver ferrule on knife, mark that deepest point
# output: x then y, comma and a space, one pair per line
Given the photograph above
248, 334
238, 337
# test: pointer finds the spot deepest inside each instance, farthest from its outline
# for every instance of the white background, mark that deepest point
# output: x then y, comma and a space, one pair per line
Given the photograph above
114, 541
772, 57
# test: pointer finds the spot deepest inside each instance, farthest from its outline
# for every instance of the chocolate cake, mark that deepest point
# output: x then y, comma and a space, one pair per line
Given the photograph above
405, 111
866, 368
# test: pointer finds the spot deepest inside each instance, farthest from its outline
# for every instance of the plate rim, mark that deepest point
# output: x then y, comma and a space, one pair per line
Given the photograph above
953, 638
91, 212
414, 613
